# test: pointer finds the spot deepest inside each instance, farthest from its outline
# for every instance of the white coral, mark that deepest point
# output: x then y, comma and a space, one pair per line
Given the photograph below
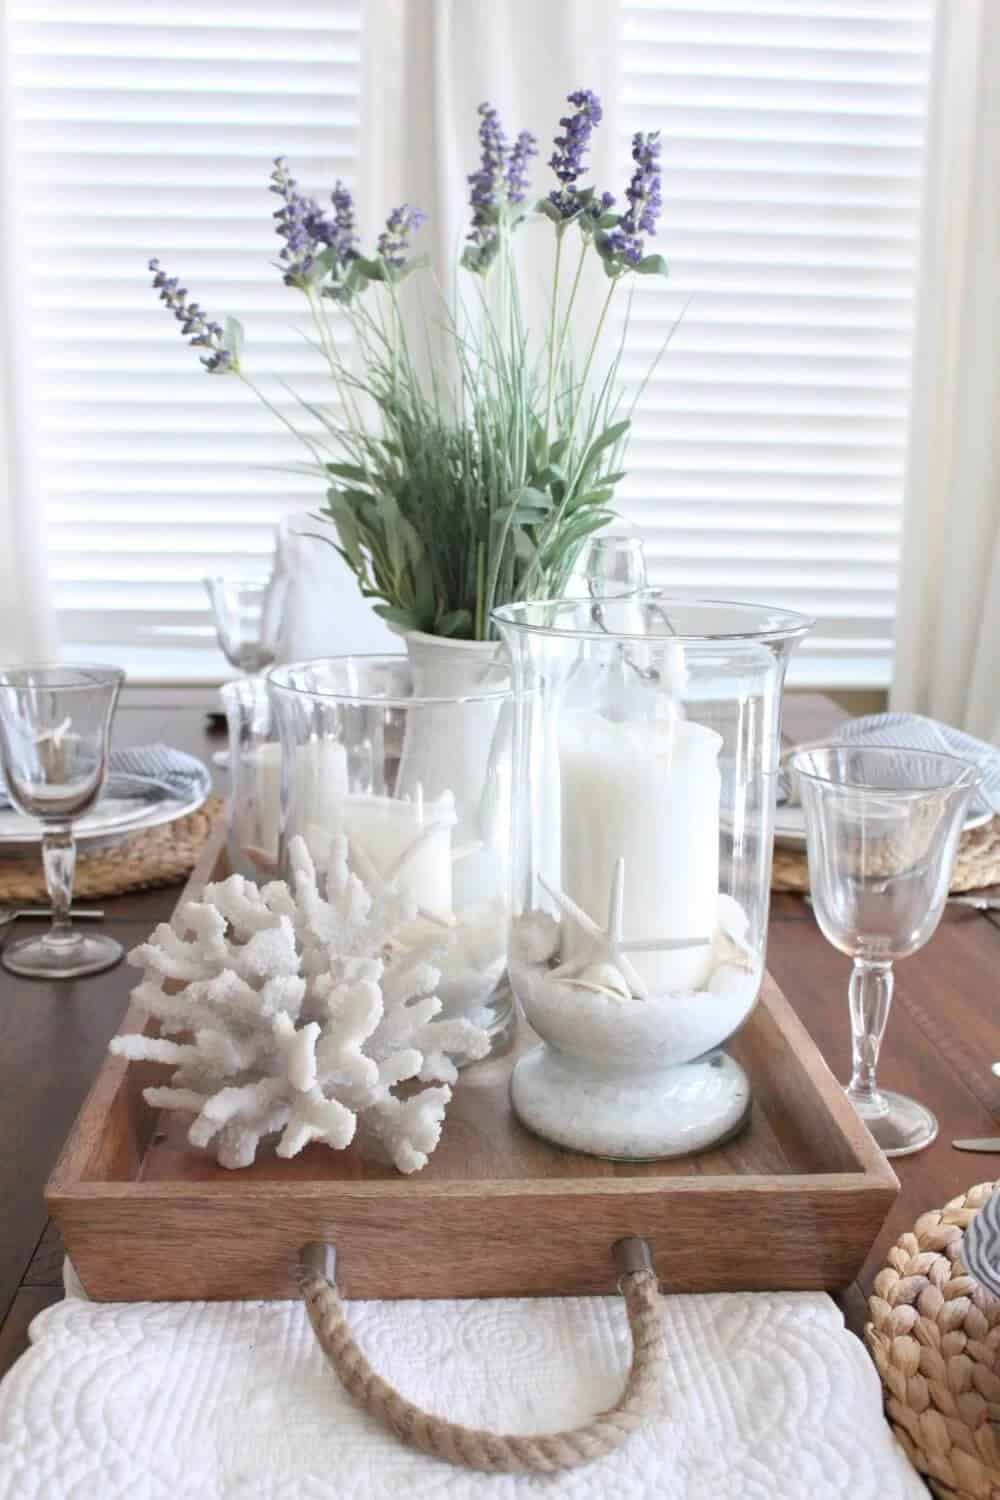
297, 1014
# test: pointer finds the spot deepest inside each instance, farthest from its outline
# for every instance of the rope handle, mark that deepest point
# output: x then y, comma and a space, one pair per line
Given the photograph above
472, 1448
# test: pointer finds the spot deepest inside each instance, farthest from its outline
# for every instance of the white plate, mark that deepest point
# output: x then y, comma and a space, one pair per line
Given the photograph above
129, 803
790, 825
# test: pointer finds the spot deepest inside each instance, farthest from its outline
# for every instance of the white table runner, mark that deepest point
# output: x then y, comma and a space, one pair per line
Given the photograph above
767, 1396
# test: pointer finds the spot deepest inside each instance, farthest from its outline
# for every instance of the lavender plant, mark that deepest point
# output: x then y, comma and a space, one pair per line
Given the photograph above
463, 494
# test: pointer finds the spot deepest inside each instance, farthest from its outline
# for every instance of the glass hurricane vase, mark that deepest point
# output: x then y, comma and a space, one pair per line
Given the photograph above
420, 785
646, 753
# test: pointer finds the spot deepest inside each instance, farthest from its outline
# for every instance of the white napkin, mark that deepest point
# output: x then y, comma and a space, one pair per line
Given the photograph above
767, 1396
184, 774
324, 613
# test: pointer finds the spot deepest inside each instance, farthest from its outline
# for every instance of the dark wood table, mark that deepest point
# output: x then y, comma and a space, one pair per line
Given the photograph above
943, 1036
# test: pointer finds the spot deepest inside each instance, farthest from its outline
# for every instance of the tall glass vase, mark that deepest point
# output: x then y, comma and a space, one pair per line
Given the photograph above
646, 752
420, 784
254, 776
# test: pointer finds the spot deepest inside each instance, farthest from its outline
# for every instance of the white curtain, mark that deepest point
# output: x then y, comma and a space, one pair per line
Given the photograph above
948, 622
27, 629
428, 66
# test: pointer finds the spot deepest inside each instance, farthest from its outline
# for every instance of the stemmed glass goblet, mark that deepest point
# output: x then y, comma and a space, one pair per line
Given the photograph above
610, 565
55, 724
248, 615
882, 830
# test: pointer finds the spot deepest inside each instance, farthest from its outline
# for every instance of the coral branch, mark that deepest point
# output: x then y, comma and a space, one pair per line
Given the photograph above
300, 1012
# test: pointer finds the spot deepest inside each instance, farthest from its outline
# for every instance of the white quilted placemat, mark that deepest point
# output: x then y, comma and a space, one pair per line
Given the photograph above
768, 1398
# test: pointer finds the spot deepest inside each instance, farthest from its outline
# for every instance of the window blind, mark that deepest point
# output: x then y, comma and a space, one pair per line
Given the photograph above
767, 454
149, 130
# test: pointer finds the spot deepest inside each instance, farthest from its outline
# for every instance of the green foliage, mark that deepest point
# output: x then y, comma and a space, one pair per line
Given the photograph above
451, 497
453, 503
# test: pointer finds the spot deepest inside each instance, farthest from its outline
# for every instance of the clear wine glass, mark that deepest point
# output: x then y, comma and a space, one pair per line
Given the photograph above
55, 724
882, 830
610, 565
248, 613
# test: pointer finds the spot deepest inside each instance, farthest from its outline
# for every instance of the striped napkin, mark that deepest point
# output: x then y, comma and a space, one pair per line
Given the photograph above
183, 774
914, 732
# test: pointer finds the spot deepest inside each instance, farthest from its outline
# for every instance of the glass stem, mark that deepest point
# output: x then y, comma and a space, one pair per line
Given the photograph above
870, 996
59, 863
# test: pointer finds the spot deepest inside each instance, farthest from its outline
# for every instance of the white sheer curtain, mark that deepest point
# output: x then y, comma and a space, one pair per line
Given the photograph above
429, 64
948, 622
27, 626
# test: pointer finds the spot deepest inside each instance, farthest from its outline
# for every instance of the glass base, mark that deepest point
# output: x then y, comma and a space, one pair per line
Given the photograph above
629, 1116
62, 958
499, 1020
902, 1127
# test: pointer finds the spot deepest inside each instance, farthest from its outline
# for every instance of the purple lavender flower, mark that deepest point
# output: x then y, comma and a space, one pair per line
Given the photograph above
344, 222
644, 200
567, 161
487, 183
501, 179
394, 241
198, 329
299, 222
307, 231
516, 178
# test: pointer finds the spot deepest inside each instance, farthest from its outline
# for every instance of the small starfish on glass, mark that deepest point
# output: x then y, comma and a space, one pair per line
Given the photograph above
607, 948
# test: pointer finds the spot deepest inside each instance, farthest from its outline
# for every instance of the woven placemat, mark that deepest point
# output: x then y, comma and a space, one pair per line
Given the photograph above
152, 857
977, 865
935, 1338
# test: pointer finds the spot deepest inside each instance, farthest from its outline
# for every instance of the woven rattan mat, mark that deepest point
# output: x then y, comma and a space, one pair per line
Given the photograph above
935, 1337
978, 862
155, 856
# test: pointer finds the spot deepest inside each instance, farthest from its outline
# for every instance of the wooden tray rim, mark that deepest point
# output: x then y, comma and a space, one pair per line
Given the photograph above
69, 1182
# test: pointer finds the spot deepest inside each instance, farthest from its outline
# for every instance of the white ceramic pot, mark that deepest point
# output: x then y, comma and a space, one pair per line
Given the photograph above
457, 749
446, 667
455, 753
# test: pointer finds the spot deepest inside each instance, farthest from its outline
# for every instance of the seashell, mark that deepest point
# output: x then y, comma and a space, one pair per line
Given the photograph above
733, 920
602, 979
729, 945
534, 938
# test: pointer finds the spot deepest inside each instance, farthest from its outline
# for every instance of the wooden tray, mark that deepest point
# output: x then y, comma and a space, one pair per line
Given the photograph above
795, 1201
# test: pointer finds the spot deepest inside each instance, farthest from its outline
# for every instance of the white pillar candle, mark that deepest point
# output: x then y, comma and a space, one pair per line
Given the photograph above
320, 780
386, 828
267, 792
648, 793
409, 839
320, 787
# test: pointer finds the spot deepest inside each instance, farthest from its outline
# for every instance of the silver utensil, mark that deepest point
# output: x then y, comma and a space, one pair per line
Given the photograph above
984, 1143
978, 900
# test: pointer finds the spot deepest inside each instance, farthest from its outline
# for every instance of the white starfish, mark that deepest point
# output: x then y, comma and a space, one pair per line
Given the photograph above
607, 945
377, 879
374, 875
